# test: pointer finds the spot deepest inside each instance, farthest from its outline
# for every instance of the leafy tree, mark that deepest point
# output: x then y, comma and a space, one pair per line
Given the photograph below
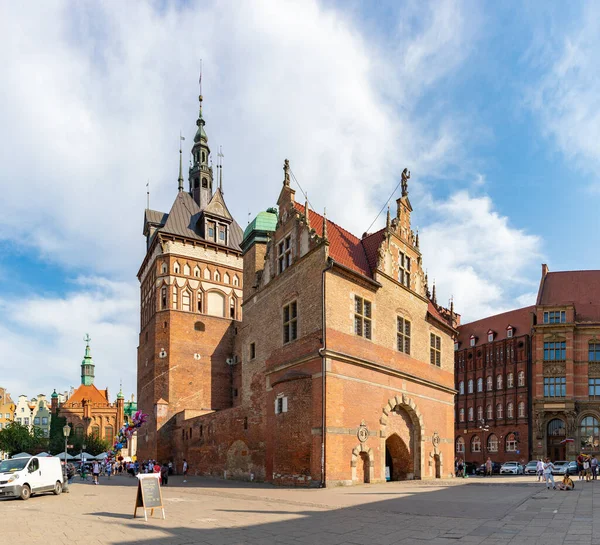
57, 438
93, 444
15, 438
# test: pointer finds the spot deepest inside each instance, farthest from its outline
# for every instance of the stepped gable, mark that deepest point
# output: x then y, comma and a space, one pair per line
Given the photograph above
344, 247
580, 288
88, 393
520, 319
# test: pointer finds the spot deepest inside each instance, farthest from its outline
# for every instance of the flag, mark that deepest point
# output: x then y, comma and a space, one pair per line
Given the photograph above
567, 440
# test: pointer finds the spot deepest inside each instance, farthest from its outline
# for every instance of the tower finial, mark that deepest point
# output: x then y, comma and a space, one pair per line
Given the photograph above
180, 179
325, 224
200, 97
387, 220
286, 173
306, 213
417, 238
220, 155
405, 178
433, 296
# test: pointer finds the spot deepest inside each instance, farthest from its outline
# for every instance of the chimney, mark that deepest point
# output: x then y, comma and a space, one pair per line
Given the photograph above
544, 270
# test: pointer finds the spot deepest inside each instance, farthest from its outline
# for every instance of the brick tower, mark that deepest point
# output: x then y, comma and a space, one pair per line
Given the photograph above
191, 293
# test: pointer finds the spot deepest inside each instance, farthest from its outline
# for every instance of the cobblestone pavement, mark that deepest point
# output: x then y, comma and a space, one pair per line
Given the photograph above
501, 510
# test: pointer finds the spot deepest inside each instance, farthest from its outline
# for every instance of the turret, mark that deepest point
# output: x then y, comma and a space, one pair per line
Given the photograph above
87, 364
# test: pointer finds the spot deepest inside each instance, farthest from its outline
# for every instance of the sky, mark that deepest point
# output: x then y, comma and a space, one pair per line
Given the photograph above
493, 108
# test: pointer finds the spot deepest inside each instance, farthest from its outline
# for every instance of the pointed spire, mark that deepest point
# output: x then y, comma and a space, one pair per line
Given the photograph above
180, 179
325, 224
200, 134
306, 213
120, 395
286, 173
220, 167
452, 306
433, 296
427, 293
387, 220
417, 238
87, 364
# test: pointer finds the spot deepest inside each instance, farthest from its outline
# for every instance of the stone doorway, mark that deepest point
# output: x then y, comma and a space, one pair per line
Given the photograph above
438, 466
556, 434
363, 468
398, 458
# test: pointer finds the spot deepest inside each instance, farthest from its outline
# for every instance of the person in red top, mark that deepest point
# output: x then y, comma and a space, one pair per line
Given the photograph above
156, 469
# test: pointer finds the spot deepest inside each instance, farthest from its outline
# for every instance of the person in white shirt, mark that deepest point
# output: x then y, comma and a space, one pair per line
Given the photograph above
185, 470
96, 471
539, 469
548, 467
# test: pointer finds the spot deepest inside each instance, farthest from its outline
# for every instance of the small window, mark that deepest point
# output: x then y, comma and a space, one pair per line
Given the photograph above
509, 380
521, 409
186, 270
290, 322
479, 413
199, 326
281, 405
499, 410
499, 382
492, 443
232, 307
472, 341
217, 276
455, 346
461, 415
204, 183
403, 335
362, 317
252, 351
36, 421
199, 301
197, 272
509, 332
435, 350
226, 278
510, 411
594, 351
176, 268
222, 234
470, 412
555, 317
460, 445
476, 444
511, 443
236, 281
196, 183
284, 254
186, 301
490, 383
404, 269
163, 268
521, 378
461, 387
480, 384
245, 422
490, 337
470, 386
489, 414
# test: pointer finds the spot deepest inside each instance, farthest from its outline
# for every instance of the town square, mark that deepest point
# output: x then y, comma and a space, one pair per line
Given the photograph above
299, 271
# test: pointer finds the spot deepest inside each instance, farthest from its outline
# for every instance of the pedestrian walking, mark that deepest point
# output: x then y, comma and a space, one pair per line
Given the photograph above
548, 467
185, 470
108, 469
164, 474
580, 459
539, 469
488, 467
594, 464
587, 469
95, 471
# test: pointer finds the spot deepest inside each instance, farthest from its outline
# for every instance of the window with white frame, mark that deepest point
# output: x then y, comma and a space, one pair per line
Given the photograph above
489, 412
236, 281
174, 296
461, 387
492, 443
521, 409
480, 384
510, 413
186, 270
499, 382
290, 322
163, 268
435, 350
404, 269
509, 380
284, 254
499, 411
479, 413
472, 341
476, 444
461, 415
555, 317
521, 378
509, 333
460, 445
281, 404
362, 317
470, 386
490, 337
490, 383
403, 335
163, 298
470, 413
511, 443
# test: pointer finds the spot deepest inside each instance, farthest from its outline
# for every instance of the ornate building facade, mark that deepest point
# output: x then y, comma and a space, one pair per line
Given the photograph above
339, 370
493, 380
88, 410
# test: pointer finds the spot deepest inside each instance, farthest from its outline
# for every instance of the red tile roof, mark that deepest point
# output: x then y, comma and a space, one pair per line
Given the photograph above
435, 313
580, 288
344, 247
520, 319
89, 393
371, 245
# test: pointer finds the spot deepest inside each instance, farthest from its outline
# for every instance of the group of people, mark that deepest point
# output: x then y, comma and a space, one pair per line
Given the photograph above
587, 467
544, 470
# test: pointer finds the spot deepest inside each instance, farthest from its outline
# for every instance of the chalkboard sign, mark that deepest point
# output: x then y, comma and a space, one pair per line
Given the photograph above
148, 495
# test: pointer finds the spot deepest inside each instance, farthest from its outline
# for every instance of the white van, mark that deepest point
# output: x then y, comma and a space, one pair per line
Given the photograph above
21, 477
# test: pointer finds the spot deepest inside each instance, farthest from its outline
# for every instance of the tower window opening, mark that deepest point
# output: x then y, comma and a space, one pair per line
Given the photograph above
204, 183
203, 157
196, 183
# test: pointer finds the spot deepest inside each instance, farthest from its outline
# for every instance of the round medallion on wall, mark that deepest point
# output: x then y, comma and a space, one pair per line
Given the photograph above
363, 432
436, 439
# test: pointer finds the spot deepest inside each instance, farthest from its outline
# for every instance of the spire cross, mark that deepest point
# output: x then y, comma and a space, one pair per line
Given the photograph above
87, 338
180, 179
220, 167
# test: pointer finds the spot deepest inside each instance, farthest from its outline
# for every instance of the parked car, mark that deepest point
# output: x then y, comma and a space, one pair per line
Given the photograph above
495, 469
22, 477
571, 467
560, 467
511, 468
531, 468
470, 468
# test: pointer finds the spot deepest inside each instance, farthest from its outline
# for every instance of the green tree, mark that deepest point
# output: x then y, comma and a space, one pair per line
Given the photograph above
93, 444
15, 438
57, 439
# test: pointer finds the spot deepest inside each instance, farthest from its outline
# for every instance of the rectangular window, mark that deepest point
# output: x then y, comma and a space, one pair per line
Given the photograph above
252, 351
555, 387
403, 335
7, 415
435, 350
556, 351
186, 301
18, 420
284, 254
555, 317
404, 270
594, 352
290, 322
36, 421
222, 233
174, 296
594, 387
44, 420
281, 405
509, 333
26, 421
362, 317
211, 230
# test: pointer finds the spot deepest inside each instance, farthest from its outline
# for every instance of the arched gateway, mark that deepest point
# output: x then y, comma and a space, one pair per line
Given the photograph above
401, 435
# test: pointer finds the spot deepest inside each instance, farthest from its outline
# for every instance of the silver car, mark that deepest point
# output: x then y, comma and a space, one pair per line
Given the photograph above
511, 468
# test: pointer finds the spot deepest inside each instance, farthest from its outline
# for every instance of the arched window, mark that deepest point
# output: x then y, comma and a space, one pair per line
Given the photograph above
499, 382
163, 268
232, 308
510, 380
490, 383
163, 298
215, 304
186, 300
556, 427
79, 430
489, 414
109, 434
470, 386
206, 274
492, 443
186, 270
226, 278
204, 183
479, 413
196, 183
461, 415
197, 271
510, 410
174, 296
521, 409
480, 384
475, 444
460, 445
199, 301
521, 378
199, 326
176, 268
499, 410
236, 281
217, 276
470, 414
96, 431
461, 387
589, 432
511, 443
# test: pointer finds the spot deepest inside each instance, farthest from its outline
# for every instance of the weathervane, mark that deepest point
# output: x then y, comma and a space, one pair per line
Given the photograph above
87, 338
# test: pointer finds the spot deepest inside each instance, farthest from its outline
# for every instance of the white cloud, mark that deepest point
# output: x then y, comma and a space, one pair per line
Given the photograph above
474, 254
41, 338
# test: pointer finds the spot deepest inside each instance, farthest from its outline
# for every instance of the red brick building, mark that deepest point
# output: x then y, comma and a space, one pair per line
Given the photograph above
295, 352
493, 377
566, 364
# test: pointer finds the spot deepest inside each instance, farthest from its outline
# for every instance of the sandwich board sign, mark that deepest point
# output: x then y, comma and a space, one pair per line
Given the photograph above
148, 495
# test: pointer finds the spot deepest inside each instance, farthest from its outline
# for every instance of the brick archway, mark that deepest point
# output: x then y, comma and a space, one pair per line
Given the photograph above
358, 453
398, 404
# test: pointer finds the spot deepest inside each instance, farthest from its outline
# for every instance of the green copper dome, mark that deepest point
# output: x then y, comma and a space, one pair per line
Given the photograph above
259, 228
54, 394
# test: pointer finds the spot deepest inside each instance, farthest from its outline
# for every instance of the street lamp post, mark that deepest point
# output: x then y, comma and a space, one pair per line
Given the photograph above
484, 428
82, 472
66, 433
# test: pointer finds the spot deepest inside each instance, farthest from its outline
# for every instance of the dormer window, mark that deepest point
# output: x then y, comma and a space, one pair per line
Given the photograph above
509, 332
211, 230
490, 335
473, 340
222, 234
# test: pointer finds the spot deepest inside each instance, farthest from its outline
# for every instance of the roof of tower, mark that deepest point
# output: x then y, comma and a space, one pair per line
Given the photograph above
183, 218
264, 221
580, 288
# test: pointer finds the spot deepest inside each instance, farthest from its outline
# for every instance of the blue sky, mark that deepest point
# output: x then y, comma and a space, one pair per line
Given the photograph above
493, 108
